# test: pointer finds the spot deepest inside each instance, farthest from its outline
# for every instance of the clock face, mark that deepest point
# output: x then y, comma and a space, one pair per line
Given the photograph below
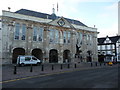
61, 22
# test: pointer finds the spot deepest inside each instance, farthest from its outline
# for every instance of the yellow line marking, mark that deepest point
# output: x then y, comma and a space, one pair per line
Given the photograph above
79, 69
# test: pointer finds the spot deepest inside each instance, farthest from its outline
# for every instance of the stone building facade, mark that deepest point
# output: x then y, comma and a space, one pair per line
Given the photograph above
50, 38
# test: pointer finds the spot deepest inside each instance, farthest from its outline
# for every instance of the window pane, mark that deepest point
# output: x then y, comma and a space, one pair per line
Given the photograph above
57, 36
90, 37
77, 35
98, 47
35, 34
27, 58
41, 34
108, 47
80, 38
69, 35
51, 35
17, 31
23, 32
87, 36
34, 58
103, 47
64, 35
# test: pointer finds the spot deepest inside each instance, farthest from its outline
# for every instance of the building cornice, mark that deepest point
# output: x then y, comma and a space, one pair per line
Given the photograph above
42, 20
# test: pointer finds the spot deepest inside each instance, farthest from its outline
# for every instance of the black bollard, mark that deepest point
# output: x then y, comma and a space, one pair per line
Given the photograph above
15, 69
96, 63
91, 64
52, 67
42, 68
75, 65
61, 66
31, 69
68, 65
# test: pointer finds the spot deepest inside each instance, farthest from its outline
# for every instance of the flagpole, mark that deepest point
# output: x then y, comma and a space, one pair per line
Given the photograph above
57, 8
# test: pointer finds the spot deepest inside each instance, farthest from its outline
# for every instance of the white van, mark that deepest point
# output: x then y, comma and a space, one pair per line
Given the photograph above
24, 60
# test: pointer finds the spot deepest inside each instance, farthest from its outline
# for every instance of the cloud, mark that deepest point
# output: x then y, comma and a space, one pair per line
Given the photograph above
112, 7
110, 31
105, 20
36, 5
108, 20
110, 11
77, 1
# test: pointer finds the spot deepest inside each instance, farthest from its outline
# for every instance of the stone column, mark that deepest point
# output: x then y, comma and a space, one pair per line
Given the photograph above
7, 30
73, 46
11, 39
60, 57
46, 56
46, 44
84, 47
96, 48
29, 37
60, 54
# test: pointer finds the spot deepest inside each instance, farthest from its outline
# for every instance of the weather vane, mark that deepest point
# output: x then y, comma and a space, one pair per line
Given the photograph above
9, 8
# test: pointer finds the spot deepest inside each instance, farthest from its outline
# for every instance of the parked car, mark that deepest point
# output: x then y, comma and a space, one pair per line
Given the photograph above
25, 60
110, 63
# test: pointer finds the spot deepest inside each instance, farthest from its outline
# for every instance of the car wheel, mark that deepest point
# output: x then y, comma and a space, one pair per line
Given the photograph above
38, 64
22, 64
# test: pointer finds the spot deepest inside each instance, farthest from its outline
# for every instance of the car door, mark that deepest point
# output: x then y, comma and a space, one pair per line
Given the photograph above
34, 60
27, 60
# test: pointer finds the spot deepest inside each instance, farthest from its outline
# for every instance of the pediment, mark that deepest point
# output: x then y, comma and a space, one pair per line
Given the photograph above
62, 22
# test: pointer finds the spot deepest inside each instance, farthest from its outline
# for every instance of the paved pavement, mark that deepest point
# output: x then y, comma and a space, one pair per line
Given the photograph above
22, 72
105, 78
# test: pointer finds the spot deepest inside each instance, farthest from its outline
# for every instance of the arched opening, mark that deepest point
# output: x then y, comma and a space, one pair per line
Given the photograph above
16, 53
101, 58
66, 56
53, 56
37, 53
89, 57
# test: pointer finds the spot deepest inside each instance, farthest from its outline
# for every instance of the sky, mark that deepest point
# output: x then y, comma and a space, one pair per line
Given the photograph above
101, 13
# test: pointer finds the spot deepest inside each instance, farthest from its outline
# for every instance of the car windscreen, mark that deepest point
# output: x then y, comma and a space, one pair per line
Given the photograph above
33, 58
